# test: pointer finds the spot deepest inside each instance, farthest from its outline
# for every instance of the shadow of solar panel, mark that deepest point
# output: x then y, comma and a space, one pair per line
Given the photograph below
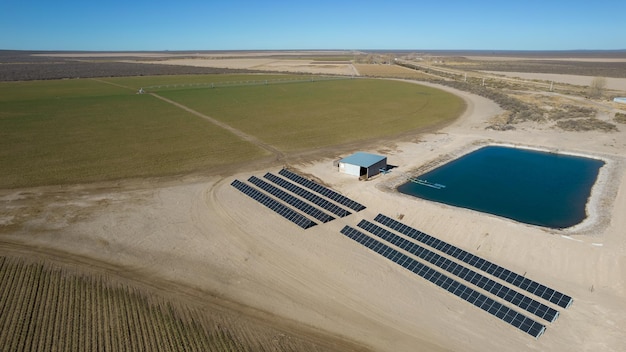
462, 291
276, 206
291, 200
326, 192
520, 281
530, 305
313, 198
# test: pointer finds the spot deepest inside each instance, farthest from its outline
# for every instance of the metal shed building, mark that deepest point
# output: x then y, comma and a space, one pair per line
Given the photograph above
362, 164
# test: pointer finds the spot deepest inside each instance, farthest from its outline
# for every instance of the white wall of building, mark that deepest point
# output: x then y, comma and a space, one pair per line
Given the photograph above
350, 169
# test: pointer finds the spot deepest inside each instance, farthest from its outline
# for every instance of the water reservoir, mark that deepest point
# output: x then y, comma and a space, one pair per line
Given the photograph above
529, 186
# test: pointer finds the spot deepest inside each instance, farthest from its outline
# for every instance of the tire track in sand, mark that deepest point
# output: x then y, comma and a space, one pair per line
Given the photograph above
246, 137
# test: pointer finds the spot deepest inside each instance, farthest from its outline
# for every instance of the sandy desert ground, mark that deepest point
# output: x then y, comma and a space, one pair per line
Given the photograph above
267, 64
618, 84
202, 233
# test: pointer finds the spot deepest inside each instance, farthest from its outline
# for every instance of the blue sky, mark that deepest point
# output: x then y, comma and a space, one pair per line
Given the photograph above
312, 24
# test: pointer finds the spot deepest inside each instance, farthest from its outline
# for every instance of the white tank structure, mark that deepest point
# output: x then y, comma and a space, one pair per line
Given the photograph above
620, 100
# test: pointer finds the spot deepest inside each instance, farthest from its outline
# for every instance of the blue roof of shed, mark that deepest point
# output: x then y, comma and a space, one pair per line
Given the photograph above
363, 159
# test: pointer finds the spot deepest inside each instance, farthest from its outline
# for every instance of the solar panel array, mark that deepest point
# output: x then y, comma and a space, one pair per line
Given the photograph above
533, 287
291, 200
313, 198
276, 206
326, 192
466, 293
530, 305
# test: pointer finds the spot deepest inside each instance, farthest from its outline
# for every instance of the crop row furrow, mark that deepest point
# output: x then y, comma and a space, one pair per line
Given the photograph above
62, 313
146, 324
13, 317
22, 305
7, 275
195, 332
57, 337
52, 310
86, 318
139, 321
71, 309
28, 306
157, 312
78, 314
89, 317
35, 317
134, 341
106, 329
202, 331
7, 305
247, 338
66, 320
167, 327
178, 330
95, 343
115, 321
221, 337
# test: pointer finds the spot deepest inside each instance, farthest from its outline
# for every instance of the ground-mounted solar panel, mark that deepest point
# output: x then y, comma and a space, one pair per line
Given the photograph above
530, 305
325, 191
313, 198
291, 200
466, 293
273, 204
533, 287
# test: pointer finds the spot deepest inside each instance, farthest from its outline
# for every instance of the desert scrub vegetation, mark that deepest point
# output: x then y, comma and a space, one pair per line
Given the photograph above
571, 112
586, 124
519, 111
620, 117
602, 69
47, 307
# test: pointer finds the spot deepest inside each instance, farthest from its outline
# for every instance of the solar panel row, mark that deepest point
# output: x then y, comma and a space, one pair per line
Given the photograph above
315, 199
276, 206
530, 305
515, 279
466, 293
326, 192
291, 200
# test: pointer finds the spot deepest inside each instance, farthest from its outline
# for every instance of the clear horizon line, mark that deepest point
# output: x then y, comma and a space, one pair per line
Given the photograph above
297, 50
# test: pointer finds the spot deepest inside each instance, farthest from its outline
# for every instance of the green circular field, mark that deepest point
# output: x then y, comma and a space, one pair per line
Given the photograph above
75, 131
306, 115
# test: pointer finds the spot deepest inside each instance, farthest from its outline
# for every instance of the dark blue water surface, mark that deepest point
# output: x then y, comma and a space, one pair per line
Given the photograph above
529, 186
